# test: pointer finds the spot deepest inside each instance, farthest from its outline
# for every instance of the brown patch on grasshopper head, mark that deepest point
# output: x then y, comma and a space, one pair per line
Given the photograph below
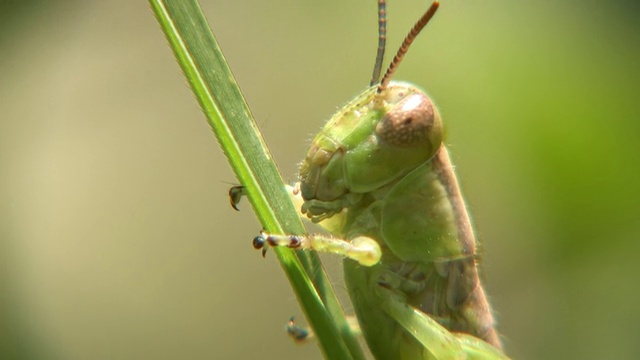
413, 121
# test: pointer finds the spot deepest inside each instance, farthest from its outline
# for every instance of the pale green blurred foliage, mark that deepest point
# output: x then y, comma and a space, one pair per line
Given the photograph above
116, 237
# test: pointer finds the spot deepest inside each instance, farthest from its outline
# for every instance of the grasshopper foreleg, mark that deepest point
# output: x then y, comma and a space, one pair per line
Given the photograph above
362, 249
298, 333
235, 194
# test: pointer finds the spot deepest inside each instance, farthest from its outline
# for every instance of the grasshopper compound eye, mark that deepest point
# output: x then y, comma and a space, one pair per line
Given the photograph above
411, 122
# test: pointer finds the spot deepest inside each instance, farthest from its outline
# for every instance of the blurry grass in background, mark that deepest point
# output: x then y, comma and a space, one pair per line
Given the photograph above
116, 238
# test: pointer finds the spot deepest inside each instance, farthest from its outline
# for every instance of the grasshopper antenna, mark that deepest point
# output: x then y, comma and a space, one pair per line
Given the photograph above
382, 41
417, 28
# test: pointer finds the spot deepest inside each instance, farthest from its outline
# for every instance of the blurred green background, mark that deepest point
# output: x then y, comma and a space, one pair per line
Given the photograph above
116, 237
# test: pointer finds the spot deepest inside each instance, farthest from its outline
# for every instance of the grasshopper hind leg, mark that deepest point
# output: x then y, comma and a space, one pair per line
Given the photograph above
435, 340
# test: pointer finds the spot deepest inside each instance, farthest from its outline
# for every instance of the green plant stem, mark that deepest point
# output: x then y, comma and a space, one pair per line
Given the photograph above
211, 80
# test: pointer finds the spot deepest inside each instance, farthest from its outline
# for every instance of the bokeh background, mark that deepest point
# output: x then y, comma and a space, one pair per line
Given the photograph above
116, 237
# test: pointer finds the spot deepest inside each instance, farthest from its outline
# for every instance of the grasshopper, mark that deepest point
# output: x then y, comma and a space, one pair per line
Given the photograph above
378, 178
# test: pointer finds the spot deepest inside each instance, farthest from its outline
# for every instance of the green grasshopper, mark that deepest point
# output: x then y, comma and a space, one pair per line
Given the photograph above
379, 176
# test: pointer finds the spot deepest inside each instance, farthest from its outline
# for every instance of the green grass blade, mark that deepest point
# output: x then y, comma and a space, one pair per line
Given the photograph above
217, 92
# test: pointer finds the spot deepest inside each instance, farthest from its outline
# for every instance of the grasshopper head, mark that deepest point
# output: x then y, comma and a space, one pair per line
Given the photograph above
373, 140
